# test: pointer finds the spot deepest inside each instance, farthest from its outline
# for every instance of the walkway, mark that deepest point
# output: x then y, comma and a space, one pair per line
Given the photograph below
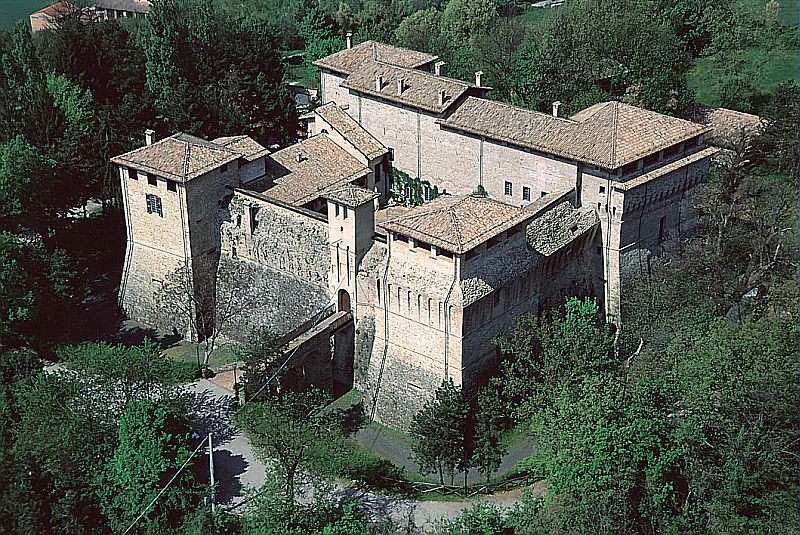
238, 468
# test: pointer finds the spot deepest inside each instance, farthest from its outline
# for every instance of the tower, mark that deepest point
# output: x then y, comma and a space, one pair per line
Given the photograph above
351, 227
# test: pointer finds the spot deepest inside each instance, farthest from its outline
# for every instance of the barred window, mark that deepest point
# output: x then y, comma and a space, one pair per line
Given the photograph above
509, 188
526, 193
154, 205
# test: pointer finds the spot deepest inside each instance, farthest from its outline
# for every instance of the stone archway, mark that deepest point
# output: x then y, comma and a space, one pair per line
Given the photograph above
344, 301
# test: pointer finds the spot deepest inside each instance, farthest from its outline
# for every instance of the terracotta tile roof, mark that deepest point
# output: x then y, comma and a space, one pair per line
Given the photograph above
137, 6
458, 223
352, 196
245, 145
727, 127
663, 170
609, 134
322, 166
420, 89
57, 10
362, 140
180, 157
349, 59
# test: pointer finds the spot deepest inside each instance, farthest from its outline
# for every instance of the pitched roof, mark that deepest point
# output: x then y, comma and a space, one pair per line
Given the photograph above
350, 195
349, 59
623, 133
666, 169
727, 127
137, 6
420, 89
180, 157
362, 140
609, 134
245, 145
458, 223
58, 10
307, 170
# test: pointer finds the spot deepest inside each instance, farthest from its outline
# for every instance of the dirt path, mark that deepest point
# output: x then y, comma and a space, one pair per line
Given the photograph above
238, 468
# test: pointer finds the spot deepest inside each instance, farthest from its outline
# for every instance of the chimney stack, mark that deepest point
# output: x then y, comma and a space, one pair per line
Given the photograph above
378, 82
400, 86
442, 97
148, 136
438, 68
478, 76
556, 104
349, 37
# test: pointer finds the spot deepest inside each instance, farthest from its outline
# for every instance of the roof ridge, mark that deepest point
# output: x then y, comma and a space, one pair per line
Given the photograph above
528, 110
187, 152
418, 72
614, 124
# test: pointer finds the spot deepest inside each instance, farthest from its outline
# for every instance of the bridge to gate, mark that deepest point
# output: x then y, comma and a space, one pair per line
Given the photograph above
323, 353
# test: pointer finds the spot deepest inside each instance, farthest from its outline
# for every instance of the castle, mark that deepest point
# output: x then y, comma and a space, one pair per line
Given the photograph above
572, 206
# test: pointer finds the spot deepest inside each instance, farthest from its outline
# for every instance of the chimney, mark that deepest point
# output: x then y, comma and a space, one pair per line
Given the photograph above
148, 136
556, 104
299, 157
438, 68
400, 84
442, 97
378, 82
478, 76
349, 37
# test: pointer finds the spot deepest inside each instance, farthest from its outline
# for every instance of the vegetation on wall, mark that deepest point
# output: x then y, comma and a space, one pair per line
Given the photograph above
412, 191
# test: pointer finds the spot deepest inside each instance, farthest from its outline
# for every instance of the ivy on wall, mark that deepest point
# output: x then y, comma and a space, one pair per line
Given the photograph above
412, 191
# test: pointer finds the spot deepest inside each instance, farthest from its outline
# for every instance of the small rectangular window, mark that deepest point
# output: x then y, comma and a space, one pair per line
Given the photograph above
224, 168
543, 194
133, 174
152, 180
662, 229
526, 193
602, 190
509, 188
391, 154
154, 204
336, 209
344, 209
172, 185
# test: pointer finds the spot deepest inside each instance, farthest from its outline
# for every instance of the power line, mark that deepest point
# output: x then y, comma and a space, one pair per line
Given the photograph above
149, 505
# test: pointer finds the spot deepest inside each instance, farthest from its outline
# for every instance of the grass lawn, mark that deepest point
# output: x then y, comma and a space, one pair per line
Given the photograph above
186, 352
13, 11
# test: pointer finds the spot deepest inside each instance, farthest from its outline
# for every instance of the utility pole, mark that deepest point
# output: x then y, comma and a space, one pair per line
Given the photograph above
211, 472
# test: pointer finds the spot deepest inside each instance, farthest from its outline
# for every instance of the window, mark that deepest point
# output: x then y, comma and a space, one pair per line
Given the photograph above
691, 143
543, 194
172, 185
602, 190
442, 252
345, 211
133, 174
630, 168
154, 205
526, 193
378, 290
391, 154
224, 168
509, 188
662, 229
153, 181
669, 152
650, 159
336, 209
472, 253
234, 253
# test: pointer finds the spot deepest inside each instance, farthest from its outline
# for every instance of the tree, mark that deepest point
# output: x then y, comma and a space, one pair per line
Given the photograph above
214, 75
490, 422
287, 426
317, 33
419, 30
261, 358
439, 431
152, 447
205, 305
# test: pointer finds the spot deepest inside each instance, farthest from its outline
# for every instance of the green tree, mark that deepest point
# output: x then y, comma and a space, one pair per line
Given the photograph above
152, 447
213, 75
286, 426
419, 31
439, 431
490, 423
317, 33
260, 360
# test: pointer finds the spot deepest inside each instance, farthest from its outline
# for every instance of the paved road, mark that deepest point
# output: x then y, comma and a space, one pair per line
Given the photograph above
238, 468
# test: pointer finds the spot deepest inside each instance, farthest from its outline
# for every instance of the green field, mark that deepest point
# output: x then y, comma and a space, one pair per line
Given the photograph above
12, 11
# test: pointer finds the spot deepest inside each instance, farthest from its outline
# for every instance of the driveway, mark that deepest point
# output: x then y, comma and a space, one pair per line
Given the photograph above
238, 469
